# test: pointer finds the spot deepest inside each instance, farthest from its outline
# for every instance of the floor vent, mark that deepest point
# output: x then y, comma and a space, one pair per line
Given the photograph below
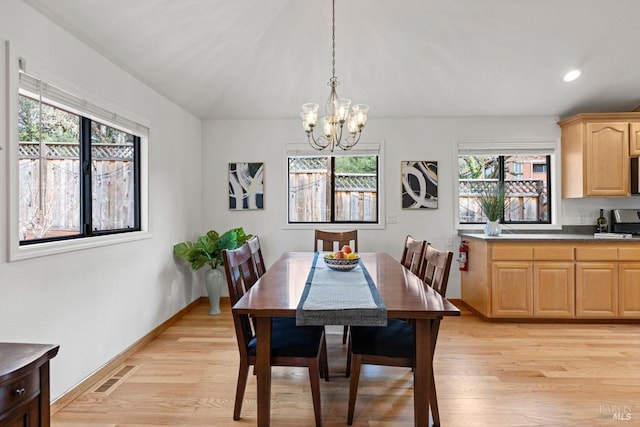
124, 371
106, 386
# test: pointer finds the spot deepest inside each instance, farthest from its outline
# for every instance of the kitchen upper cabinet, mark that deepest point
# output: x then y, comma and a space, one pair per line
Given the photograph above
634, 146
596, 150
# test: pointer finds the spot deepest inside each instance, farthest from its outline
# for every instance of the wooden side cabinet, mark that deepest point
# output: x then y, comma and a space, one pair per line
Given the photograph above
24, 384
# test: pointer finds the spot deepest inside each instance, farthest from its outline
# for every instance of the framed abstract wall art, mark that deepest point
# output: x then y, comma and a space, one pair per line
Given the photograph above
246, 186
419, 184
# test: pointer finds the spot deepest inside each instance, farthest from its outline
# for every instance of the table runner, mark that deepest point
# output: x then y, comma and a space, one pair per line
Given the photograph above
340, 298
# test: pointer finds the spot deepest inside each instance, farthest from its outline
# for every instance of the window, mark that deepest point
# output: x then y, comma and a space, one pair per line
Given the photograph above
539, 168
333, 189
79, 175
524, 177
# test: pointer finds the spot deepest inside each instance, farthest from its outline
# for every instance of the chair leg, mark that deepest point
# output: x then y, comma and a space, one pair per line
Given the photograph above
324, 360
345, 333
433, 404
353, 385
314, 379
243, 373
349, 356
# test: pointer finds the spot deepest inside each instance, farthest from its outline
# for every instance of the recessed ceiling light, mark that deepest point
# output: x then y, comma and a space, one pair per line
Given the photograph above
571, 75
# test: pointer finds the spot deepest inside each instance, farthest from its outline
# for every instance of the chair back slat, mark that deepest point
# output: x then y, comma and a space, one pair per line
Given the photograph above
241, 275
412, 253
329, 241
256, 254
435, 268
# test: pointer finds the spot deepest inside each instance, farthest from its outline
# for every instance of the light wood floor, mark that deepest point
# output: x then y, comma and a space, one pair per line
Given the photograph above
487, 374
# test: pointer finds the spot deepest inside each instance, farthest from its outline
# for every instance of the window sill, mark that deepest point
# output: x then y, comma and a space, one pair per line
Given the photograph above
62, 246
334, 226
507, 227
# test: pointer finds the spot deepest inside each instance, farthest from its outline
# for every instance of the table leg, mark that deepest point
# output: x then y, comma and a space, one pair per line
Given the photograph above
263, 370
422, 373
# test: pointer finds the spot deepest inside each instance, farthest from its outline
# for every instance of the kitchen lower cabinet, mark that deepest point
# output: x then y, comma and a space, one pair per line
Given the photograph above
554, 290
629, 290
512, 289
596, 289
586, 279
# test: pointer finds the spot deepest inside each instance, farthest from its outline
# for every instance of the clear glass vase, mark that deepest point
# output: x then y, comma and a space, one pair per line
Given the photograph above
492, 228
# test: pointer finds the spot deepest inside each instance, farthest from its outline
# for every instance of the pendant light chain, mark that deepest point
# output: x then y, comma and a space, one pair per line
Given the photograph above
338, 117
333, 40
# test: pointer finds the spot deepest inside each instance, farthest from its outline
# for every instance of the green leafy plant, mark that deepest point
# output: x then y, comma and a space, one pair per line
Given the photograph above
493, 202
208, 248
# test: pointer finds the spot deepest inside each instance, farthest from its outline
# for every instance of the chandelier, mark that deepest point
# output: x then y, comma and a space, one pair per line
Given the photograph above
337, 110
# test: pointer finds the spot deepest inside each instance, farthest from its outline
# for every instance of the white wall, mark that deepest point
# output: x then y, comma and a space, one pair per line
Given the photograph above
95, 303
403, 139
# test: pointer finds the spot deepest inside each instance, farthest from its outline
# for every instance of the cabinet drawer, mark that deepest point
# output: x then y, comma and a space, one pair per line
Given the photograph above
553, 253
512, 253
597, 253
19, 391
629, 254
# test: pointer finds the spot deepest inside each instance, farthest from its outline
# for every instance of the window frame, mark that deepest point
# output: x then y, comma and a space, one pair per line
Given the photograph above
507, 148
86, 228
362, 149
16, 251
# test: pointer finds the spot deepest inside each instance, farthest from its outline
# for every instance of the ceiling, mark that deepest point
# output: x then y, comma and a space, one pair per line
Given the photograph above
262, 59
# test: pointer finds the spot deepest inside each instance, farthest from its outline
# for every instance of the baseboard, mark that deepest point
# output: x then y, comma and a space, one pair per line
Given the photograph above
108, 368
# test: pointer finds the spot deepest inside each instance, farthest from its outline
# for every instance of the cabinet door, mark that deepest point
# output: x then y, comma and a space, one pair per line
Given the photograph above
634, 140
607, 159
629, 290
512, 289
554, 289
26, 416
596, 289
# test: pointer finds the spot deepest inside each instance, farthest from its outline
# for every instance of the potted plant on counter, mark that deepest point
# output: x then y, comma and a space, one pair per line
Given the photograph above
207, 250
493, 202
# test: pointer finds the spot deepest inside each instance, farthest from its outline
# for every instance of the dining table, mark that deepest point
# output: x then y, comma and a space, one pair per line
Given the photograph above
405, 296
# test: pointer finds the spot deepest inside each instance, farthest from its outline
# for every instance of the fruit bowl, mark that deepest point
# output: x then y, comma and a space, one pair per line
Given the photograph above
342, 264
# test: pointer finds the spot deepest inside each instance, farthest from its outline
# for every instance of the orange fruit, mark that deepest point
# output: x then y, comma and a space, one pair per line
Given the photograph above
339, 255
346, 249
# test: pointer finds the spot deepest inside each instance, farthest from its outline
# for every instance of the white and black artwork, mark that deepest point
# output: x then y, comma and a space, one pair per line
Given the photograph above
419, 185
246, 186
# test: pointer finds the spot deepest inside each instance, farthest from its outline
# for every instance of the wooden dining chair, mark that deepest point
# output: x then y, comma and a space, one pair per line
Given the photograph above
394, 344
256, 253
330, 241
435, 267
412, 253
291, 345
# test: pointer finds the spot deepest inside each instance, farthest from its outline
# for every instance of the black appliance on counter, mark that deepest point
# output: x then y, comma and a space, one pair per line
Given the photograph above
625, 221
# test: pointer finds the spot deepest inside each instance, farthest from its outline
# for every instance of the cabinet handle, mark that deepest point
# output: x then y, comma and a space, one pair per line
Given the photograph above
19, 392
